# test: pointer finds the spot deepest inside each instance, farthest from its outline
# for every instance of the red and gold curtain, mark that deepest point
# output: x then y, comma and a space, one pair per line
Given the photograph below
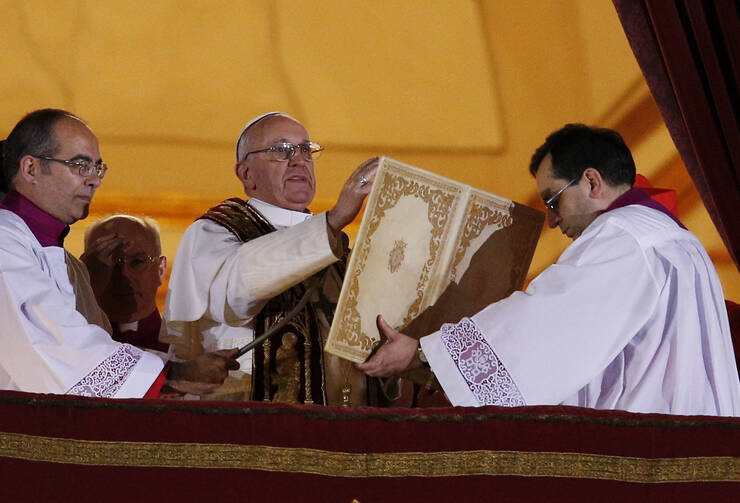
55, 448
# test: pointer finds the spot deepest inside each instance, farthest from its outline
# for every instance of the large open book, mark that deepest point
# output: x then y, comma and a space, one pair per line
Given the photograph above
429, 250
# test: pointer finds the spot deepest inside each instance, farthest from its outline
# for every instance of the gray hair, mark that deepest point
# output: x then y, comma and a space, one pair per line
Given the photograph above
149, 225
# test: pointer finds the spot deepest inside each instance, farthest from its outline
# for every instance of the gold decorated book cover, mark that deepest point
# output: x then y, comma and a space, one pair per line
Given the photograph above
424, 236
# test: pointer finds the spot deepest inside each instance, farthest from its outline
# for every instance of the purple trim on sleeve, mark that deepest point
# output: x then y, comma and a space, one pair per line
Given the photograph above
639, 196
47, 229
479, 366
107, 378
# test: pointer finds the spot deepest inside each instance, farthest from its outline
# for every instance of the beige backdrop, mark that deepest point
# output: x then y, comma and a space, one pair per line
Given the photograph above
466, 89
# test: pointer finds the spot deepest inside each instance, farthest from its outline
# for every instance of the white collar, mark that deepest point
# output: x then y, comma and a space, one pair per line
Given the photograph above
277, 216
131, 325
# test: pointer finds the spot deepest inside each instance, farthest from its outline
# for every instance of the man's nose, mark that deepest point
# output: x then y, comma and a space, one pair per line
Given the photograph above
93, 179
297, 160
552, 218
123, 272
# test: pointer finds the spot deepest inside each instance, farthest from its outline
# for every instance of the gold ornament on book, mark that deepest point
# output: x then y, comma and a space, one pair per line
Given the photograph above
395, 257
443, 224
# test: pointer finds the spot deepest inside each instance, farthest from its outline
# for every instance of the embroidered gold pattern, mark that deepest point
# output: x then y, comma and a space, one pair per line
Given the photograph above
362, 465
288, 370
481, 213
440, 201
266, 352
396, 256
272, 378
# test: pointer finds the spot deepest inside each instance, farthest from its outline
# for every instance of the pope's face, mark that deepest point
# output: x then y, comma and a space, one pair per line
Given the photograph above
287, 184
62, 191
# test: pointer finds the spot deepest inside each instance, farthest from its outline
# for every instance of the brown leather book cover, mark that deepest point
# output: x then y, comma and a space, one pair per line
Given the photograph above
429, 250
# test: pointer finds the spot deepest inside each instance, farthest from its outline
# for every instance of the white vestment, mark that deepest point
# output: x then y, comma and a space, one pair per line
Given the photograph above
46, 345
222, 283
631, 317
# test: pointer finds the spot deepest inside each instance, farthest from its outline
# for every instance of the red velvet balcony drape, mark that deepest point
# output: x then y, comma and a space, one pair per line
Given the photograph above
65, 448
689, 52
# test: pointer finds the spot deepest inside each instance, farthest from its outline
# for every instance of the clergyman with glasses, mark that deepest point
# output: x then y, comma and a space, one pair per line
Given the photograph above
243, 267
54, 336
631, 316
123, 254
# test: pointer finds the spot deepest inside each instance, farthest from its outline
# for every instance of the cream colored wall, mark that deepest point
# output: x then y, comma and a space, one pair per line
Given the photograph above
466, 89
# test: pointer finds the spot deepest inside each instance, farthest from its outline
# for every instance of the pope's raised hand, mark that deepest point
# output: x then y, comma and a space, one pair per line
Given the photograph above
354, 192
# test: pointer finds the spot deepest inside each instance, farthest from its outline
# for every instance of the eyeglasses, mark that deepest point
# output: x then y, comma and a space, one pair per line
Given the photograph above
552, 203
284, 151
84, 166
137, 263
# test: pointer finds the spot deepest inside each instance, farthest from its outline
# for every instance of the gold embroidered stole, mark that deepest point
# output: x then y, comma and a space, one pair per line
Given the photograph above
291, 366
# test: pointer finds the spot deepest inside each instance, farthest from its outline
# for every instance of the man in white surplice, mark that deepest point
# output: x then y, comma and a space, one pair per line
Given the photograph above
631, 316
241, 256
54, 337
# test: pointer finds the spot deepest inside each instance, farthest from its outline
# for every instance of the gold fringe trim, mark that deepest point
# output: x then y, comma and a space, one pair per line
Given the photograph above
361, 465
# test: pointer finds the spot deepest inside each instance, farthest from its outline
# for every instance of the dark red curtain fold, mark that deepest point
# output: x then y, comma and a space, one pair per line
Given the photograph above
689, 53
67, 448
